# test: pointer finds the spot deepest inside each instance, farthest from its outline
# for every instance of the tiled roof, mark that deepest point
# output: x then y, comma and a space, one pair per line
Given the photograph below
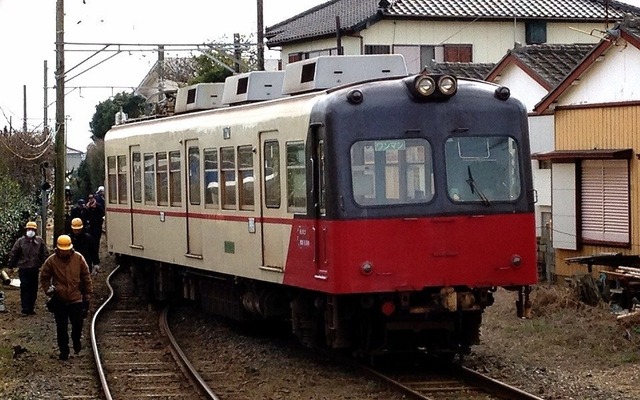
460, 69
552, 62
355, 15
546, 9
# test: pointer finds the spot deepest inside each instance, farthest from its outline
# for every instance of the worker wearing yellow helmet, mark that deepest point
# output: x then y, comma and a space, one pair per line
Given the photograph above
84, 244
65, 277
27, 254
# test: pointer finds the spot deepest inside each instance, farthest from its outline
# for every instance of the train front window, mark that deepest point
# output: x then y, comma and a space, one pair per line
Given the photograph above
387, 172
482, 169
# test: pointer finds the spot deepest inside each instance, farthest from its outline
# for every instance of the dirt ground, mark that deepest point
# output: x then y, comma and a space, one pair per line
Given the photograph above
568, 350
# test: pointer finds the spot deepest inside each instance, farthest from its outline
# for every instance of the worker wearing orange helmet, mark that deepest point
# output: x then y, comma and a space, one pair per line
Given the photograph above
65, 277
27, 254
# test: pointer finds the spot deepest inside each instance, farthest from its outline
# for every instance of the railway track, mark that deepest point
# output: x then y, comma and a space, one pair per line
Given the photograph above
450, 383
134, 357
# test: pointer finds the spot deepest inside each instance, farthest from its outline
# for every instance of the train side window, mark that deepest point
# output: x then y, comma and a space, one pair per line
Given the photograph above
245, 177
228, 177
194, 175
271, 174
122, 180
136, 165
175, 181
162, 179
398, 171
296, 178
211, 178
149, 179
112, 177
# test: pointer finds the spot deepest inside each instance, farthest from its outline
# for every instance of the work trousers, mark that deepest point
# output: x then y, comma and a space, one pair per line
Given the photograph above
28, 288
64, 314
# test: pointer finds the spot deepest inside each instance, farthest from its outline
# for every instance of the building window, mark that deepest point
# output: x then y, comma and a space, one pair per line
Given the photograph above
245, 177
377, 49
536, 32
211, 178
122, 180
272, 174
296, 178
175, 182
149, 179
458, 53
417, 57
605, 201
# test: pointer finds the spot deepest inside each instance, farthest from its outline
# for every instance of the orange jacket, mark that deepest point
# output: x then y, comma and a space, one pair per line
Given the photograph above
71, 278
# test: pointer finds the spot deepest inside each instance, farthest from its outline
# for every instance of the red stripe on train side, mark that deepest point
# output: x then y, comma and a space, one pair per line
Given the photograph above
412, 253
207, 216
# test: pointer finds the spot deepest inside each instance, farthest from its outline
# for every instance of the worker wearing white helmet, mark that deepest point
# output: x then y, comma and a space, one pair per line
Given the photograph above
27, 254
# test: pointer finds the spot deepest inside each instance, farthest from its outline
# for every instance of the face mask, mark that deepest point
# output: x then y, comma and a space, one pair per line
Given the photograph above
31, 233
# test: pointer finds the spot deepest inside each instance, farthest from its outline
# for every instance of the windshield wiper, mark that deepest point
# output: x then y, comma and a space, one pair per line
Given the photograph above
475, 189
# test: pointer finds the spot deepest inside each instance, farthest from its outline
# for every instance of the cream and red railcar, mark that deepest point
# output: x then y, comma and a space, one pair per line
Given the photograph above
377, 215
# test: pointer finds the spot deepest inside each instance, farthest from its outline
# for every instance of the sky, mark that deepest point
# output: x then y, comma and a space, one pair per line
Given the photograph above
27, 39
28, 34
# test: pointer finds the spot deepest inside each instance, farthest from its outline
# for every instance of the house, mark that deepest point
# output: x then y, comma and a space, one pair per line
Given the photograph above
594, 165
74, 158
530, 72
440, 30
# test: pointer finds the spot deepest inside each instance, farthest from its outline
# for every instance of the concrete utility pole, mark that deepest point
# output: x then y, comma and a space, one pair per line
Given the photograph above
43, 166
260, 36
24, 106
60, 167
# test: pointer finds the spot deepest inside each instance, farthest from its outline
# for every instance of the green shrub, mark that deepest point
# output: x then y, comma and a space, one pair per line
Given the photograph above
15, 210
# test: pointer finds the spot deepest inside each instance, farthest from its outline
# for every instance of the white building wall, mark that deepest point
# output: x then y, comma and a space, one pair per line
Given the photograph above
490, 39
614, 78
522, 86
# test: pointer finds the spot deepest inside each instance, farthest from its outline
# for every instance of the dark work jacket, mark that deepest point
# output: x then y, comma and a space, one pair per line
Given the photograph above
71, 277
28, 253
84, 244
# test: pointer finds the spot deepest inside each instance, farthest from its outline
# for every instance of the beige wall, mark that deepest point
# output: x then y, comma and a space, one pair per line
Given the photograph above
602, 128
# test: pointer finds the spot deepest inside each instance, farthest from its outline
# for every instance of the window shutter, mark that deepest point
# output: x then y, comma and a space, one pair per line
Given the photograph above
605, 200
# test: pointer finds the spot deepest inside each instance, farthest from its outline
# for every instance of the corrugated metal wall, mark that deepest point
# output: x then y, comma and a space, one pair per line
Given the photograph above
602, 128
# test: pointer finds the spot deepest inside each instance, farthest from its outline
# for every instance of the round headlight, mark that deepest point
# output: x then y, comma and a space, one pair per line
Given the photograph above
425, 85
447, 85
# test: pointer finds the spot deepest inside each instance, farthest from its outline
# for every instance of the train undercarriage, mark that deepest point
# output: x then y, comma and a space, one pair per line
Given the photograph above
440, 321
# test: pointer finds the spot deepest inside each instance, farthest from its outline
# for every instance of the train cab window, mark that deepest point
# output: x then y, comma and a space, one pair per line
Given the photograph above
112, 177
211, 178
122, 180
149, 179
194, 175
162, 179
482, 169
387, 172
296, 178
175, 181
136, 187
271, 174
245, 177
228, 177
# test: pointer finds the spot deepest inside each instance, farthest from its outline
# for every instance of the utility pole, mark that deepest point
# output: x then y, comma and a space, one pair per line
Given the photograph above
24, 107
260, 36
60, 167
43, 167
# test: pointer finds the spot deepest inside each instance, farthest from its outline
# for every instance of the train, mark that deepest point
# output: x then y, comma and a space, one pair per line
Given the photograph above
369, 209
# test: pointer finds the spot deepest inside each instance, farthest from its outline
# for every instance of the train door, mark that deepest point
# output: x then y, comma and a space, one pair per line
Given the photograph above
194, 204
274, 235
137, 221
317, 201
